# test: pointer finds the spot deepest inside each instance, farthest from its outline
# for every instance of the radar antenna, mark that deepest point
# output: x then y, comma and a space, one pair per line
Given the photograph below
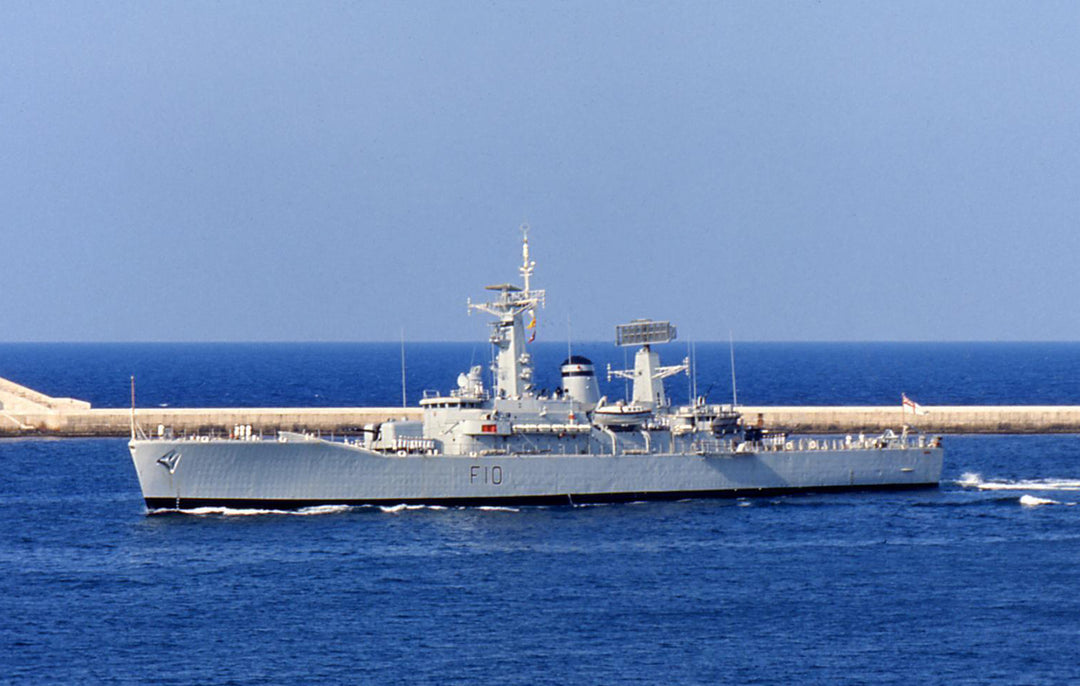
648, 375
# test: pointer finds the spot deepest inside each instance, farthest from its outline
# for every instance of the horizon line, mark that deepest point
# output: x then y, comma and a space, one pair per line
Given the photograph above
470, 341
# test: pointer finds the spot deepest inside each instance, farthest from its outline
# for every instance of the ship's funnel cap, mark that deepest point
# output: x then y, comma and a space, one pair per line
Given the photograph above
576, 363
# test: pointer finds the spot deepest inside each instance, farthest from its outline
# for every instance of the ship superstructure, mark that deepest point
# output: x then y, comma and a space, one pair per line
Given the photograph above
514, 443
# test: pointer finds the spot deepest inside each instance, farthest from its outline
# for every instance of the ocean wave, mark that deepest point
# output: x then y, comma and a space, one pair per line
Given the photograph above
1032, 501
986, 501
497, 508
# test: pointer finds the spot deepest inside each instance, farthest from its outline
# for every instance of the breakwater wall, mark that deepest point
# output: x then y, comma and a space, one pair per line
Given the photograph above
935, 419
26, 412
350, 421
203, 421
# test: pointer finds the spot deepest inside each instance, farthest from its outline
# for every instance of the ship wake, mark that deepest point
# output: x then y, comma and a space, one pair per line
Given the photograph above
972, 480
402, 507
1034, 501
313, 510
1045, 486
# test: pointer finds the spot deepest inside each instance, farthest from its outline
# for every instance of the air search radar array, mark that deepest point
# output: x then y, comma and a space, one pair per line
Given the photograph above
644, 332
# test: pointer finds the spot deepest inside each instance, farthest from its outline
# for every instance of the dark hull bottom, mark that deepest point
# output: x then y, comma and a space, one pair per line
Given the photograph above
173, 504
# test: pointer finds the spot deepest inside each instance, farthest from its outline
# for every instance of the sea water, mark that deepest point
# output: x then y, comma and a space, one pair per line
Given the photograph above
973, 582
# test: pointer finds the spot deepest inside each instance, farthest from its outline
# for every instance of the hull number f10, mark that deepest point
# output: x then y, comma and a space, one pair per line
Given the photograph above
485, 474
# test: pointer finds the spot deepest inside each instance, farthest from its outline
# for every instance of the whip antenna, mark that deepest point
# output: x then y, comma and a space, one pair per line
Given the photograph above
569, 350
734, 388
133, 407
403, 401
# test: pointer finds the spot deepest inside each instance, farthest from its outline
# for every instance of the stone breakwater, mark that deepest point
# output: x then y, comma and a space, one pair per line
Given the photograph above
207, 421
936, 419
24, 412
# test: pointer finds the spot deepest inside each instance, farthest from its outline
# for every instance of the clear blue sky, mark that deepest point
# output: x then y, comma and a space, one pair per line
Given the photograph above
322, 171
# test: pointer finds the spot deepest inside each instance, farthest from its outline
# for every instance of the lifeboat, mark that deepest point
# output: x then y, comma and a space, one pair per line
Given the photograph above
621, 416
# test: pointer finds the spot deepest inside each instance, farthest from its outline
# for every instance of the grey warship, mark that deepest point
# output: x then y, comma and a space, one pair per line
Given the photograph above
513, 444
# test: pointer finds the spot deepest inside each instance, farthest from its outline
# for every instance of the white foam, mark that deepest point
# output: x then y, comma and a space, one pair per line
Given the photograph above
498, 508
255, 512
230, 511
323, 509
1031, 501
400, 507
970, 480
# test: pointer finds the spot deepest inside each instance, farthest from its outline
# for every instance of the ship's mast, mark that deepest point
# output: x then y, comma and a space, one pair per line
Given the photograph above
527, 267
648, 374
513, 364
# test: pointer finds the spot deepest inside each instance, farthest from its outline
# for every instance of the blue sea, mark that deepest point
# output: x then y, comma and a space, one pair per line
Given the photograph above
975, 582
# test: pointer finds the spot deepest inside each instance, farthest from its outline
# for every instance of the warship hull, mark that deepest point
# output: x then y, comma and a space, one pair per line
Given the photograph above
185, 474
514, 443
